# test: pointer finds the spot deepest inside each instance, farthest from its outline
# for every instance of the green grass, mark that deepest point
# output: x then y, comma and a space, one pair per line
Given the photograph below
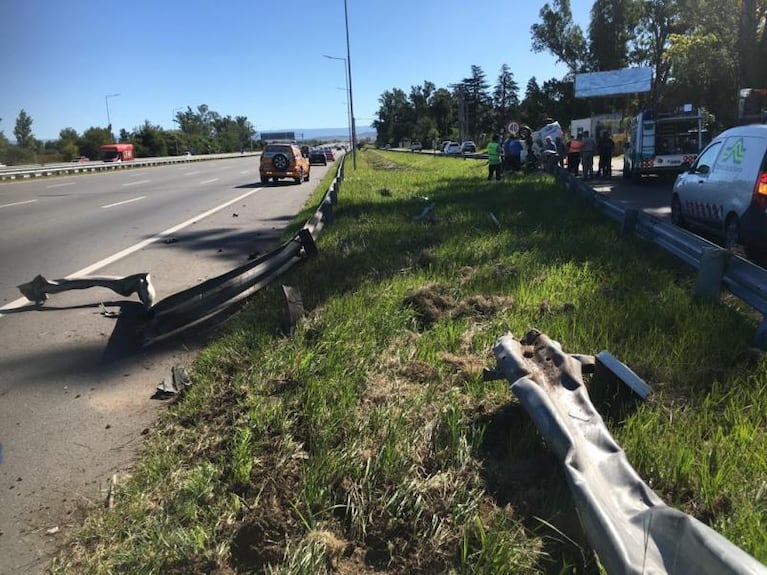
367, 441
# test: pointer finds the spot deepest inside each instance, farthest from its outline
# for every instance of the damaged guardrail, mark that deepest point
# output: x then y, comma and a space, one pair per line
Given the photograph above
628, 525
717, 267
208, 299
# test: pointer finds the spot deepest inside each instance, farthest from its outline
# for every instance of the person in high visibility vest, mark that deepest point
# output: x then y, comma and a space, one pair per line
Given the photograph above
494, 165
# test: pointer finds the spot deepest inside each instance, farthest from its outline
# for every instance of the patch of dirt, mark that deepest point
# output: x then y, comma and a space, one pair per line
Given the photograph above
435, 302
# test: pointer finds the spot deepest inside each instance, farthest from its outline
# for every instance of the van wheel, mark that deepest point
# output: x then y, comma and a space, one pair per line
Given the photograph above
731, 231
676, 213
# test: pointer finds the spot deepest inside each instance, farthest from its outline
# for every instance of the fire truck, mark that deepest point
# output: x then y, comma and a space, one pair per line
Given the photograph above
117, 152
663, 143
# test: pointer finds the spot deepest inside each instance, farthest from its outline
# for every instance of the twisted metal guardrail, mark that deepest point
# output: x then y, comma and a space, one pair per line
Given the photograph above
628, 525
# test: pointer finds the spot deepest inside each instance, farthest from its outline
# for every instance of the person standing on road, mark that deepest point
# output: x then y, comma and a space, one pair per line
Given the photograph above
605, 149
588, 148
574, 155
512, 154
494, 159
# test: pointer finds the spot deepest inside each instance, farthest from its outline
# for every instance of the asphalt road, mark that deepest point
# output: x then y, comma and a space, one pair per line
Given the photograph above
75, 392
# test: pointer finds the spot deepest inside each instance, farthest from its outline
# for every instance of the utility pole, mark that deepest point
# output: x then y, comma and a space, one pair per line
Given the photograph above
351, 99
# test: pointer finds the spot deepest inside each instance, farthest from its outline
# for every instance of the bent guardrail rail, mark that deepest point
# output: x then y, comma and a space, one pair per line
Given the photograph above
199, 303
628, 525
717, 267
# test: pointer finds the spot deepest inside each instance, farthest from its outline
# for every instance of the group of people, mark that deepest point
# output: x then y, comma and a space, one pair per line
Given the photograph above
579, 151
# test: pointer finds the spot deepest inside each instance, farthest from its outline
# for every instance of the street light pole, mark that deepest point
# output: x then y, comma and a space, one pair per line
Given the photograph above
348, 109
351, 99
109, 120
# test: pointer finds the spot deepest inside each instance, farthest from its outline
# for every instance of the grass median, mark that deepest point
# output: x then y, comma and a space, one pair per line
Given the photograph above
366, 440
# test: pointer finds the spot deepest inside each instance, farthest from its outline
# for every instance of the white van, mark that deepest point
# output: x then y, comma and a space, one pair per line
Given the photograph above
725, 189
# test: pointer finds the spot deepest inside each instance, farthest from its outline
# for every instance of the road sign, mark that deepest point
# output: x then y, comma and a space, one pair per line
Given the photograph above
512, 127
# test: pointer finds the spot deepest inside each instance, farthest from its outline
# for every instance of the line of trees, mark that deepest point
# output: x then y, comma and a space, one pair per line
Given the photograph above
200, 131
701, 52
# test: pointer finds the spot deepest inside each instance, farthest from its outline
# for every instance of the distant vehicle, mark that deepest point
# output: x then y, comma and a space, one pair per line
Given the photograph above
443, 145
330, 155
80, 159
317, 156
416, 146
284, 161
117, 152
662, 143
725, 190
387, 147
452, 149
468, 147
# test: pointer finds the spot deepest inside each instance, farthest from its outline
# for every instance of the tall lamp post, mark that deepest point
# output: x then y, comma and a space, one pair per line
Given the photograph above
348, 108
109, 120
351, 100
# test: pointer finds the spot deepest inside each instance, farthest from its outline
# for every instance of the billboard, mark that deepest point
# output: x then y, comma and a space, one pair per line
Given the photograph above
272, 136
613, 82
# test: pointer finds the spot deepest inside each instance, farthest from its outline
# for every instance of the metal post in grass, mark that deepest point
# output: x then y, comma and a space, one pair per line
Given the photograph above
710, 274
630, 218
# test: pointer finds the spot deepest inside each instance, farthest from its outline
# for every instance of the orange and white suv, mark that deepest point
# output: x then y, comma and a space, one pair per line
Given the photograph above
284, 161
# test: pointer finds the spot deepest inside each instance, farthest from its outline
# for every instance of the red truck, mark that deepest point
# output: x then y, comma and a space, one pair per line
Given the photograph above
117, 152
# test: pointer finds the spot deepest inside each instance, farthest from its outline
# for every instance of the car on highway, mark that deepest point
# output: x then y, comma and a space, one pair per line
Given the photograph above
280, 160
416, 146
468, 147
330, 155
317, 156
80, 159
452, 149
725, 189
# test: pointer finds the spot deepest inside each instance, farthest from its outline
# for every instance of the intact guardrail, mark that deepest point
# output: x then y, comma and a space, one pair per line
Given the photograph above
28, 172
717, 267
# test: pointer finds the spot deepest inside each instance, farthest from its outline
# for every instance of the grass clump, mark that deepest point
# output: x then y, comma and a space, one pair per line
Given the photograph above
367, 440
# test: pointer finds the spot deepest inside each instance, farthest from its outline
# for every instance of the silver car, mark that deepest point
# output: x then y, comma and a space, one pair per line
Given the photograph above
725, 190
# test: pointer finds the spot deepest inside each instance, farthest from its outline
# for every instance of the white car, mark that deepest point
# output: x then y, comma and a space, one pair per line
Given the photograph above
725, 189
452, 149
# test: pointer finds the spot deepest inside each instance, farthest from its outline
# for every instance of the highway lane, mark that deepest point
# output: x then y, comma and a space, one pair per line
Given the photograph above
57, 227
75, 391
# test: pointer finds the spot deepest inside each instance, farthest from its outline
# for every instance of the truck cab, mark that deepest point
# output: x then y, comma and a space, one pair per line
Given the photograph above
117, 152
663, 144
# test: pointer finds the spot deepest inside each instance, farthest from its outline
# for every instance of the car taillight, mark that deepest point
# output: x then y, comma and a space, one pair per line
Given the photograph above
760, 191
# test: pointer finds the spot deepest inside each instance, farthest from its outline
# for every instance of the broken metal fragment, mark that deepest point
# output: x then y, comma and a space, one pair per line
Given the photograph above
38, 289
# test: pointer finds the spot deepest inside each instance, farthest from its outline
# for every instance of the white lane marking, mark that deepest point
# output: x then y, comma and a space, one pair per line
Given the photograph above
61, 185
191, 173
136, 183
136, 247
17, 203
245, 172
124, 202
134, 173
208, 181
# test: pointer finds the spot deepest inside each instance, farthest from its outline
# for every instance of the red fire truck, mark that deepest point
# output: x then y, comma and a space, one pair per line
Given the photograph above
117, 152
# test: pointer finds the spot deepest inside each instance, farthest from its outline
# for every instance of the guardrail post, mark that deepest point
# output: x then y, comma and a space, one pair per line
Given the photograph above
327, 211
760, 339
307, 242
710, 274
630, 218
334, 191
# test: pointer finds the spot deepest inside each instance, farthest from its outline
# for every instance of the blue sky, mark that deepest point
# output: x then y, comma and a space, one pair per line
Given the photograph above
262, 59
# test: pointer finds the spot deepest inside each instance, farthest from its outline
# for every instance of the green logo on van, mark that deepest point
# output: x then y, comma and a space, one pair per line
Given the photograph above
735, 152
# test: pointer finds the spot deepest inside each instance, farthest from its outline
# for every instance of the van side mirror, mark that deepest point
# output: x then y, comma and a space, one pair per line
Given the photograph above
703, 169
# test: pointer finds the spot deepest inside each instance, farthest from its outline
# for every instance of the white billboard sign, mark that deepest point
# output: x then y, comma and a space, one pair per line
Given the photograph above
613, 82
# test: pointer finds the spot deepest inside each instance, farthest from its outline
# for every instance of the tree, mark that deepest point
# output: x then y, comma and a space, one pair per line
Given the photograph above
67, 143
23, 131
610, 30
92, 140
559, 35
659, 19
391, 125
505, 96
477, 104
